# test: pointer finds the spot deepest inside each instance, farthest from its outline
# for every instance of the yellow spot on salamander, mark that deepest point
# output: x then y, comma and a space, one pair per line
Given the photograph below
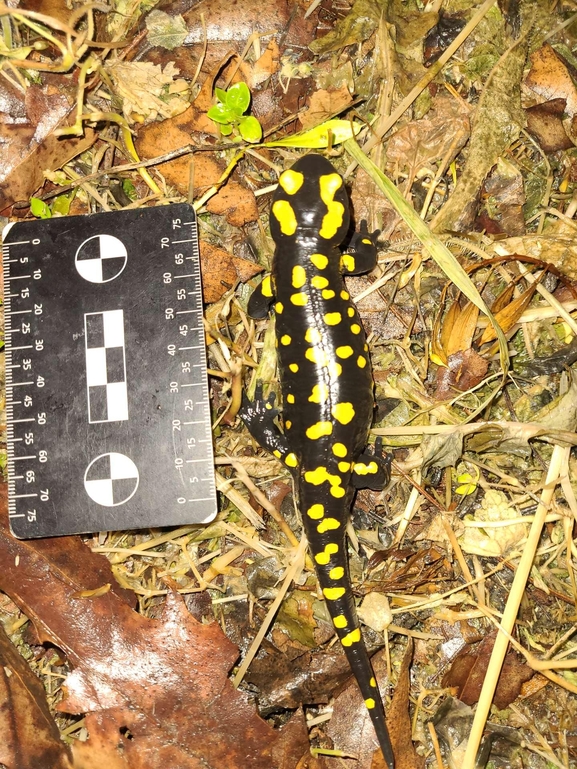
340, 450
337, 573
351, 312
300, 299
343, 412
313, 336
340, 621
319, 282
355, 328
370, 703
338, 492
333, 593
299, 276
344, 352
348, 262
291, 181
361, 361
372, 682
360, 468
344, 467
317, 355
266, 287
279, 307
288, 424
321, 475
318, 430
328, 293
294, 367
285, 339
352, 638
333, 219
320, 261
324, 557
332, 318
345, 295
285, 216
291, 460
290, 398
277, 453
367, 242
319, 394
316, 512
328, 524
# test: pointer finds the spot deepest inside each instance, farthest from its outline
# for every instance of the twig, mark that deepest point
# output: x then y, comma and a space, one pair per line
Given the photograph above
559, 460
294, 569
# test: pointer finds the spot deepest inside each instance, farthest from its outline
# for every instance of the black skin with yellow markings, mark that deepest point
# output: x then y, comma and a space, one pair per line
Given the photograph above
327, 387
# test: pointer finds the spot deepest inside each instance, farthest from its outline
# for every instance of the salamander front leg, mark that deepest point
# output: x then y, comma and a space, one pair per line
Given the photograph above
362, 252
372, 471
259, 415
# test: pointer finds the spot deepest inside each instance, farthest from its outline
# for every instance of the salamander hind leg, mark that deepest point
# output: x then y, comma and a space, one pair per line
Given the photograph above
372, 471
259, 415
261, 299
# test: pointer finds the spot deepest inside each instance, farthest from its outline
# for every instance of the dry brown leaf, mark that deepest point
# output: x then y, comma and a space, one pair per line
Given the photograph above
468, 671
464, 370
545, 123
325, 104
155, 691
509, 315
549, 78
399, 720
221, 271
29, 146
29, 736
463, 330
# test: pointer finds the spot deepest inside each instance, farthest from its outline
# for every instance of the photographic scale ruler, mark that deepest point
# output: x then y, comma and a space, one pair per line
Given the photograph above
107, 404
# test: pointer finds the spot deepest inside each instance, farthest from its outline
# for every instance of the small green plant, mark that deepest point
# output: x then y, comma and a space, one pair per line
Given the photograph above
40, 209
229, 111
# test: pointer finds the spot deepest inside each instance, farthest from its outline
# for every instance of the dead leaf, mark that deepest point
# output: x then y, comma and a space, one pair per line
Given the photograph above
221, 271
325, 104
147, 90
233, 200
27, 137
509, 315
463, 329
549, 78
545, 123
399, 720
28, 733
156, 691
464, 370
469, 667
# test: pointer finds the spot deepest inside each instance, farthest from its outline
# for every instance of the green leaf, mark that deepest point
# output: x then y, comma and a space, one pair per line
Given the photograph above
250, 129
165, 31
318, 137
220, 95
40, 209
61, 205
238, 98
225, 129
220, 114
129, 189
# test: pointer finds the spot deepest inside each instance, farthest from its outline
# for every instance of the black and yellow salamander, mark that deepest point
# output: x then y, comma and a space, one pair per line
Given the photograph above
327, 387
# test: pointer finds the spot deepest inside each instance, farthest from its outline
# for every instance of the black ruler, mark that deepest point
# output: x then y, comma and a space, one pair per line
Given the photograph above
107, 404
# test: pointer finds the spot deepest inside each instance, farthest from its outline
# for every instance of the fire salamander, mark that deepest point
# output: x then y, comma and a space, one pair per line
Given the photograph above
327, 387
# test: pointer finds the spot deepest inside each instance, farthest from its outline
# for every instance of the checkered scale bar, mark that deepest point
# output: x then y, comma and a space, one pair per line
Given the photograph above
105, 366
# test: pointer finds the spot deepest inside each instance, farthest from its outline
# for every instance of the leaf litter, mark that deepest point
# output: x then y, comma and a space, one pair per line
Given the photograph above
469, 555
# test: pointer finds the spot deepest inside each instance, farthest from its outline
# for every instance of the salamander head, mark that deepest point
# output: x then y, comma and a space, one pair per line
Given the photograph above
311, 202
